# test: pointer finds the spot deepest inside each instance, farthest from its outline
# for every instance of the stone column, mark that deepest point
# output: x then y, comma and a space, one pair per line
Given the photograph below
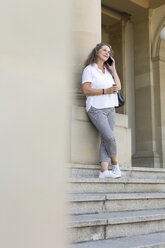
87, 33
145, 155
158, 65
128, 79
162, 102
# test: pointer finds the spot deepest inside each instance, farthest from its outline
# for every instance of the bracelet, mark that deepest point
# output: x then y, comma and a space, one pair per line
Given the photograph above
103, 92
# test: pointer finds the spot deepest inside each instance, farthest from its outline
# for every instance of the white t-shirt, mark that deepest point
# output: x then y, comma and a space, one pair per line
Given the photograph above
99, 80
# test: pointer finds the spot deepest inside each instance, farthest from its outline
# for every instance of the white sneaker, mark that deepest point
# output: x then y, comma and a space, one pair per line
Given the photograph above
107, 173
116, 170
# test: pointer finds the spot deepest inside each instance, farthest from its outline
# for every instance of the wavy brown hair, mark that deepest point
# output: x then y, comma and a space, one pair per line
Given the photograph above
92, 57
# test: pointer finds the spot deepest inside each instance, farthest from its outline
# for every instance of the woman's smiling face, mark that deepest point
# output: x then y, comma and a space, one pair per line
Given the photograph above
104, 53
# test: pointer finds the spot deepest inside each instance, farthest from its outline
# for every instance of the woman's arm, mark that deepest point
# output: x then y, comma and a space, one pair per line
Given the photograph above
88, 91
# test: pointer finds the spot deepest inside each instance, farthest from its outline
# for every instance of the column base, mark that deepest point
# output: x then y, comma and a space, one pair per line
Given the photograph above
145, 159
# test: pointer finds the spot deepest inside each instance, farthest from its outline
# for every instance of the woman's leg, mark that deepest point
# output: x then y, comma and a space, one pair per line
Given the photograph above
108, 143
114, 162
104, 121
104, 166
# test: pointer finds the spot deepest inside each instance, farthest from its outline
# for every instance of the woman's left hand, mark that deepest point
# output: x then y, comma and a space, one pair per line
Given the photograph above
114, 73
112, 66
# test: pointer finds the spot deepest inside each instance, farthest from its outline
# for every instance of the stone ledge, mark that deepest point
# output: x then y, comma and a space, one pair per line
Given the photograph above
96, 166
116, 181
153, 240
114, 196
116, 218
122, 185
89, 171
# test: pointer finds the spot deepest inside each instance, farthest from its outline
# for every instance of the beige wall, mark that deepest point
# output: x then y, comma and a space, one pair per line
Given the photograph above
33, 59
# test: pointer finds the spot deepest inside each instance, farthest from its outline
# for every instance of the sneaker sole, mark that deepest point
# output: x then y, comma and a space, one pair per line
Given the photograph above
110, 177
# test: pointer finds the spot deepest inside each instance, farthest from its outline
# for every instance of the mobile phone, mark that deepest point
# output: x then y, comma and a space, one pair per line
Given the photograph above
109, 61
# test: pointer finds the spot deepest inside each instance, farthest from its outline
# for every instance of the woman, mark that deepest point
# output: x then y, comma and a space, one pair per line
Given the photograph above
100, 84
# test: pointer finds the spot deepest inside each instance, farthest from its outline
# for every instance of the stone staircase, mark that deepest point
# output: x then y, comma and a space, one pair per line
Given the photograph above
116, 213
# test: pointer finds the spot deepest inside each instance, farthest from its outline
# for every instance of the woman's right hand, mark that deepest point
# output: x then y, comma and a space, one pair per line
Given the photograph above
112, 90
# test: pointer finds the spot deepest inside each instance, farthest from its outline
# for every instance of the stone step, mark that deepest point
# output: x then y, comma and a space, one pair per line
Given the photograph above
116, 224
97, 203
153, 240
121, 185
82, 170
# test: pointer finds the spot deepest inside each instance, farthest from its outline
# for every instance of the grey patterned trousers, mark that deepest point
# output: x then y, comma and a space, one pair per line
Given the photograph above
104, 121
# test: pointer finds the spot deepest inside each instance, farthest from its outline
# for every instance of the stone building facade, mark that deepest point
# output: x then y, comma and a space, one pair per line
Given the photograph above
132, 27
